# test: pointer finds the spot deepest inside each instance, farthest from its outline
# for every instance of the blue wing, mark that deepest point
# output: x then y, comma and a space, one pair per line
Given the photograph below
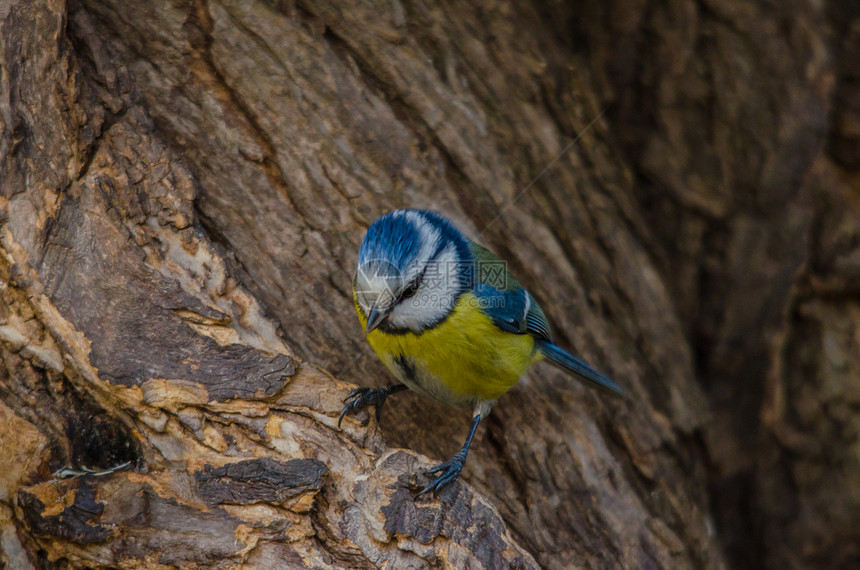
506, 308
513, 310
536, 322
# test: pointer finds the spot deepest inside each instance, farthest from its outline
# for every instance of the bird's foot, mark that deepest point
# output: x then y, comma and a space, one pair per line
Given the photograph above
364, 396
450, 471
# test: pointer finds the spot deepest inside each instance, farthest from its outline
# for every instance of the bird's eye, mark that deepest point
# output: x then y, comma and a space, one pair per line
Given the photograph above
410, 290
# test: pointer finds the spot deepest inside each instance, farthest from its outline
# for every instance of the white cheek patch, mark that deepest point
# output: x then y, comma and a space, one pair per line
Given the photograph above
436, 295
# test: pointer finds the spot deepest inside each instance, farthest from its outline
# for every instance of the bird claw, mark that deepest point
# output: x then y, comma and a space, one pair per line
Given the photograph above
450, 471
361, 397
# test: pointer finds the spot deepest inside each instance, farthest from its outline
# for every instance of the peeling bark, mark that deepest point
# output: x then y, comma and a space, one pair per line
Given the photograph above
183, 188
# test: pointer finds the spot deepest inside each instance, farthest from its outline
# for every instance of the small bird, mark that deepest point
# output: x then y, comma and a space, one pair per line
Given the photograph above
449, 320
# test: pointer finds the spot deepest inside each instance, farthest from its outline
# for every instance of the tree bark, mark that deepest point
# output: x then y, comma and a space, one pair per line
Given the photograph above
183, 189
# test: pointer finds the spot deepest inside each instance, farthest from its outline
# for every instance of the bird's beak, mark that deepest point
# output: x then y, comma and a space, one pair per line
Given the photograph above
374, 319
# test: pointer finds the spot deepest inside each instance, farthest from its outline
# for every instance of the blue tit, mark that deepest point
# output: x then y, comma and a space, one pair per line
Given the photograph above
449, 320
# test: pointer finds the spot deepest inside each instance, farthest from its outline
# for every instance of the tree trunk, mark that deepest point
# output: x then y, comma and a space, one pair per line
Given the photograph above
183, 188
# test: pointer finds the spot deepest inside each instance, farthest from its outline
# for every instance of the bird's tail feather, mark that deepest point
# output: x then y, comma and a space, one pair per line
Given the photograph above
568, 362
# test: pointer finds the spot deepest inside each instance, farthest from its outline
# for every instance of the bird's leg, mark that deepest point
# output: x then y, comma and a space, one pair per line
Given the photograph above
451, 469
361, 397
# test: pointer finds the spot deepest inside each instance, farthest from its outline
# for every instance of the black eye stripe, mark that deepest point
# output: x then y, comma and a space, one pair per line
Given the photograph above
409, 291
412, 287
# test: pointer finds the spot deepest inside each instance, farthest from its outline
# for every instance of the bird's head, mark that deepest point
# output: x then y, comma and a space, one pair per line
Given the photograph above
412, 267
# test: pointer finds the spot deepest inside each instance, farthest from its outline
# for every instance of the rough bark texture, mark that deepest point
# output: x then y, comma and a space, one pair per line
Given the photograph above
183, 188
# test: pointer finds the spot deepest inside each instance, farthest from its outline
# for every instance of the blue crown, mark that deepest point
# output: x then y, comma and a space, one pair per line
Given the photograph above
395, 240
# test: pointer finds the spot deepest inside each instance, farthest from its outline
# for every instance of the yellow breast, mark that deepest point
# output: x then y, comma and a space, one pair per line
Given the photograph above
464, 359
